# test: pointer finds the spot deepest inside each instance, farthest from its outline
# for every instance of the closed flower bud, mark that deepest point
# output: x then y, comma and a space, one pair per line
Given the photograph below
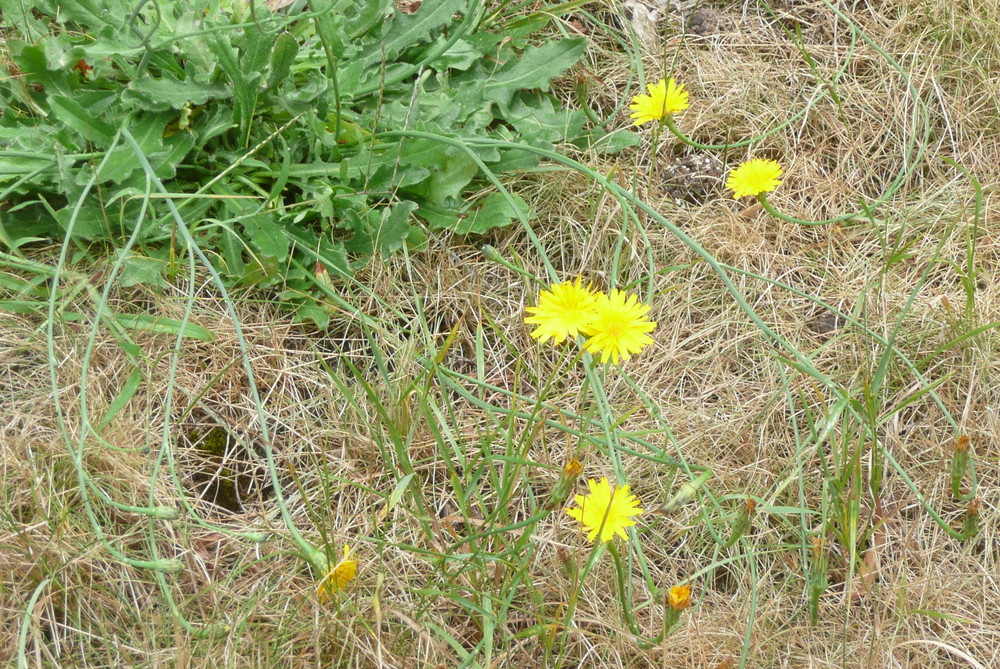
959, 464
163, 512
970, 525
168, 565
743, 521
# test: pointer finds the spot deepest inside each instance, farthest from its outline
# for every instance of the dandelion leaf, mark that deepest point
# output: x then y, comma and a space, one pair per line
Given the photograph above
493, 211
535, 68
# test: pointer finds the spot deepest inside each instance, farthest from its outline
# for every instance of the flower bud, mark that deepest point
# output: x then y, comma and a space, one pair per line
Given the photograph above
959, 464
743, 522
564, 486
167, 565
970, 525
163, 512
817, 576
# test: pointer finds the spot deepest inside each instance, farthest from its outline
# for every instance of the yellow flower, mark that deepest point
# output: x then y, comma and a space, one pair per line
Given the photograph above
619, 326
754, 177
665, 98
338, 577
679, 597
563, 311
604, 511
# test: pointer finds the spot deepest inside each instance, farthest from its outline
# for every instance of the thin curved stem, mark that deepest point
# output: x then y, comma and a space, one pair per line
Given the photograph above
668, 122
308, 549
769, 208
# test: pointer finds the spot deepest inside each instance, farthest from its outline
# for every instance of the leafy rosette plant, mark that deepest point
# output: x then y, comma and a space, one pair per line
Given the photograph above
269, 130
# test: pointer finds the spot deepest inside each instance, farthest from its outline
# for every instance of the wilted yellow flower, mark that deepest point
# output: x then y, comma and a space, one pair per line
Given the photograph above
665, 98
605, 511
754, 177
573, 468
679, 597
564, 486
565, 310
338, 577
619, 326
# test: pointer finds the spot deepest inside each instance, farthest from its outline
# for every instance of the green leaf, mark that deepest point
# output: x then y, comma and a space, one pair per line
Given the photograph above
83, 121
608, 143
138, 270
460, 56
90, 13
539, 123
89, 224
448, 177
493, 211
407, 30
164, 326
387, 234
286, 48
534, 69
148, 132
244, 82
169, 92
264, 236
126, 393
398, 492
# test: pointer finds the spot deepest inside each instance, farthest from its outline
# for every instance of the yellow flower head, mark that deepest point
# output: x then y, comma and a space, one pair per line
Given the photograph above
605, 511
565, 310
338, 577
754, 177
679, 597
619, 326
665, 98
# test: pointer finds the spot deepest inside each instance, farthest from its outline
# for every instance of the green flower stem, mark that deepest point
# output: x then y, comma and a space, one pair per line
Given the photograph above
26, 265
493, 254
166, 451
595, 377
668, 122
686, 239
574, 597
769, 208
599, 443
279, 23
582, 98
154, 510
625, 599
51, 165
22, 637
76, 456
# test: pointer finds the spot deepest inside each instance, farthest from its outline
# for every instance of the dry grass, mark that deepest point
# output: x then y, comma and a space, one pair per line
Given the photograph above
342, 448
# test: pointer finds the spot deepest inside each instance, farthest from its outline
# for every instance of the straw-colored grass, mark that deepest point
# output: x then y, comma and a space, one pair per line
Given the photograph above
352, 411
